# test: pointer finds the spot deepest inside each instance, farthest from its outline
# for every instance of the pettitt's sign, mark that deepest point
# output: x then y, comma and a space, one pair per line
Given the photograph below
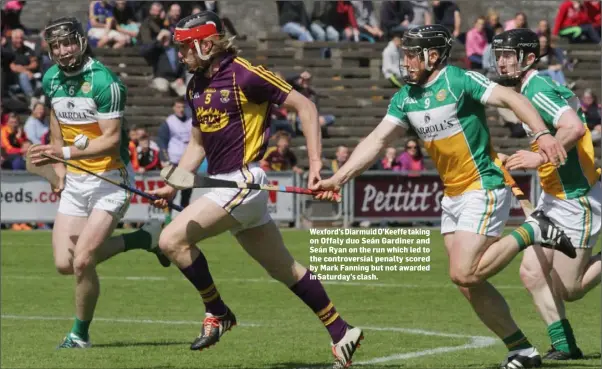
397, 196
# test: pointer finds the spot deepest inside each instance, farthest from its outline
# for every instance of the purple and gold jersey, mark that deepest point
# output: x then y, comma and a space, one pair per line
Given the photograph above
232, 110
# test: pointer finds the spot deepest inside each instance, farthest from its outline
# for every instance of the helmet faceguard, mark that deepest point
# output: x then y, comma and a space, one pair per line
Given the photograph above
419, 42
510, 54
196, 28
66, 43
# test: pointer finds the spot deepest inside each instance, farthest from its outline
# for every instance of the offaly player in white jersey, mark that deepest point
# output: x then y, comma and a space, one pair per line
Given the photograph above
87, 98
445, 106
572, 194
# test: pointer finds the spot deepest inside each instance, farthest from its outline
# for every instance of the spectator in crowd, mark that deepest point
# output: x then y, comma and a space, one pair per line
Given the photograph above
395, 17
173, 17
24, 65
366, 21
519, 21
14, 143
543, 28
302, 84
173, 137
147, 157
280, 157
488, 57
343, 20
493, 22
593, 111
392, 60
422, 13
125, 21
214, 7
168, 72
321, 24
551, 61
11, 17
594, 9
100, 26
35, 126
476, 42
151, 29
447, 13
389, 162
294, 19
341, 157
10, 102
573, 22
411, 160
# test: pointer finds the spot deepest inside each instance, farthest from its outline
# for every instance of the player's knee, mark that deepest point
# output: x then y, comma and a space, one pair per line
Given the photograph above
168, 243
64, 267
464, 279
532, 275
82, 264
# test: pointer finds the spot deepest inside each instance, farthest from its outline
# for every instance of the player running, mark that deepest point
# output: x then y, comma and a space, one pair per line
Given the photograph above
445, 106
231, 100
87, 98
572, 194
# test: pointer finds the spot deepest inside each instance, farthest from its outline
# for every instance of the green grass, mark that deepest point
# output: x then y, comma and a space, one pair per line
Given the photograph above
276, 330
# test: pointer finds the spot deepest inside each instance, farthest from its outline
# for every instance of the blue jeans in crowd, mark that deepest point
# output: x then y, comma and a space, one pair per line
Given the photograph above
25, 84
297, 31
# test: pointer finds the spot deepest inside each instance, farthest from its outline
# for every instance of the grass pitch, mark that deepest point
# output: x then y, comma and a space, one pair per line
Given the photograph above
147, 315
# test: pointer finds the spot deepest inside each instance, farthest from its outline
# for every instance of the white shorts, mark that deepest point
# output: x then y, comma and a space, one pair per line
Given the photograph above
480, 211
579, 218
84, 192
248, 207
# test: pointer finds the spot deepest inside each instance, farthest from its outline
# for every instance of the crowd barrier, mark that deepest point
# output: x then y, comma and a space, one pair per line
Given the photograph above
374, 196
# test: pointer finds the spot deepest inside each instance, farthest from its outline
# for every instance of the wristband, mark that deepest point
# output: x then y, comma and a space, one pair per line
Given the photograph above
66, 152
541, 133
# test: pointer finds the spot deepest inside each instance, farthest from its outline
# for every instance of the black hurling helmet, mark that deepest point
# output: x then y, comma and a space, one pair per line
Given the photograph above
420, 40
66, 31
510, 50
194, 28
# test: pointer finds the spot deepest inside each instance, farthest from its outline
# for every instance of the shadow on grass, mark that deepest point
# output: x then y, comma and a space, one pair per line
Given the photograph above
141, 344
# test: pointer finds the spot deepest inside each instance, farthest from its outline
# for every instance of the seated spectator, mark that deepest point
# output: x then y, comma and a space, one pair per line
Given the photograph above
100, 26
493, 22
488, 57
24, 66
519, 21
341, 157
543, 28
168, 72
411, 160
294, 20
280, 118
125, 21
302, 84
14, 143
392, 59
594, 9
321, 24
366, 21
551, 61
476, 42
574, 23
150, 31
592, 110
147, 157
389, 162
173, 17
280, 157
342, 18
395, 17
35, 126
447, 13
422, 13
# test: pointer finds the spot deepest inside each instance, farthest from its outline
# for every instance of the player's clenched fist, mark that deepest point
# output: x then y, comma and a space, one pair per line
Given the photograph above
552, 149
165, 194
329, 189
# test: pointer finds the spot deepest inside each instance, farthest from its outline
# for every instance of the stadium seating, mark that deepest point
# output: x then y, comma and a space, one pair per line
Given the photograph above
350, 85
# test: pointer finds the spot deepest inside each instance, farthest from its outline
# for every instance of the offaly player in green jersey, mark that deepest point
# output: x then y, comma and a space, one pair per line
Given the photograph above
572, 194
445, 106
87, 98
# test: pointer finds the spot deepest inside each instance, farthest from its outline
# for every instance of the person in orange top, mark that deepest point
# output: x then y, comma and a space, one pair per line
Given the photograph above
14, 143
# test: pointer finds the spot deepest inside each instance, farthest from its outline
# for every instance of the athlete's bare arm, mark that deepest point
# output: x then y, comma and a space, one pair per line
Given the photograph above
368, 151
308, 114
104, 145
195, 152
569, 129
550, 149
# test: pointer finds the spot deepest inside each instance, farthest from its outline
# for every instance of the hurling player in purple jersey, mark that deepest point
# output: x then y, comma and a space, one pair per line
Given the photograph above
231, 102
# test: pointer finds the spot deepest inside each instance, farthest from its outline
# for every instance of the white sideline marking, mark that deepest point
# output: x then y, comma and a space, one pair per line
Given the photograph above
476, 341
263, 280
